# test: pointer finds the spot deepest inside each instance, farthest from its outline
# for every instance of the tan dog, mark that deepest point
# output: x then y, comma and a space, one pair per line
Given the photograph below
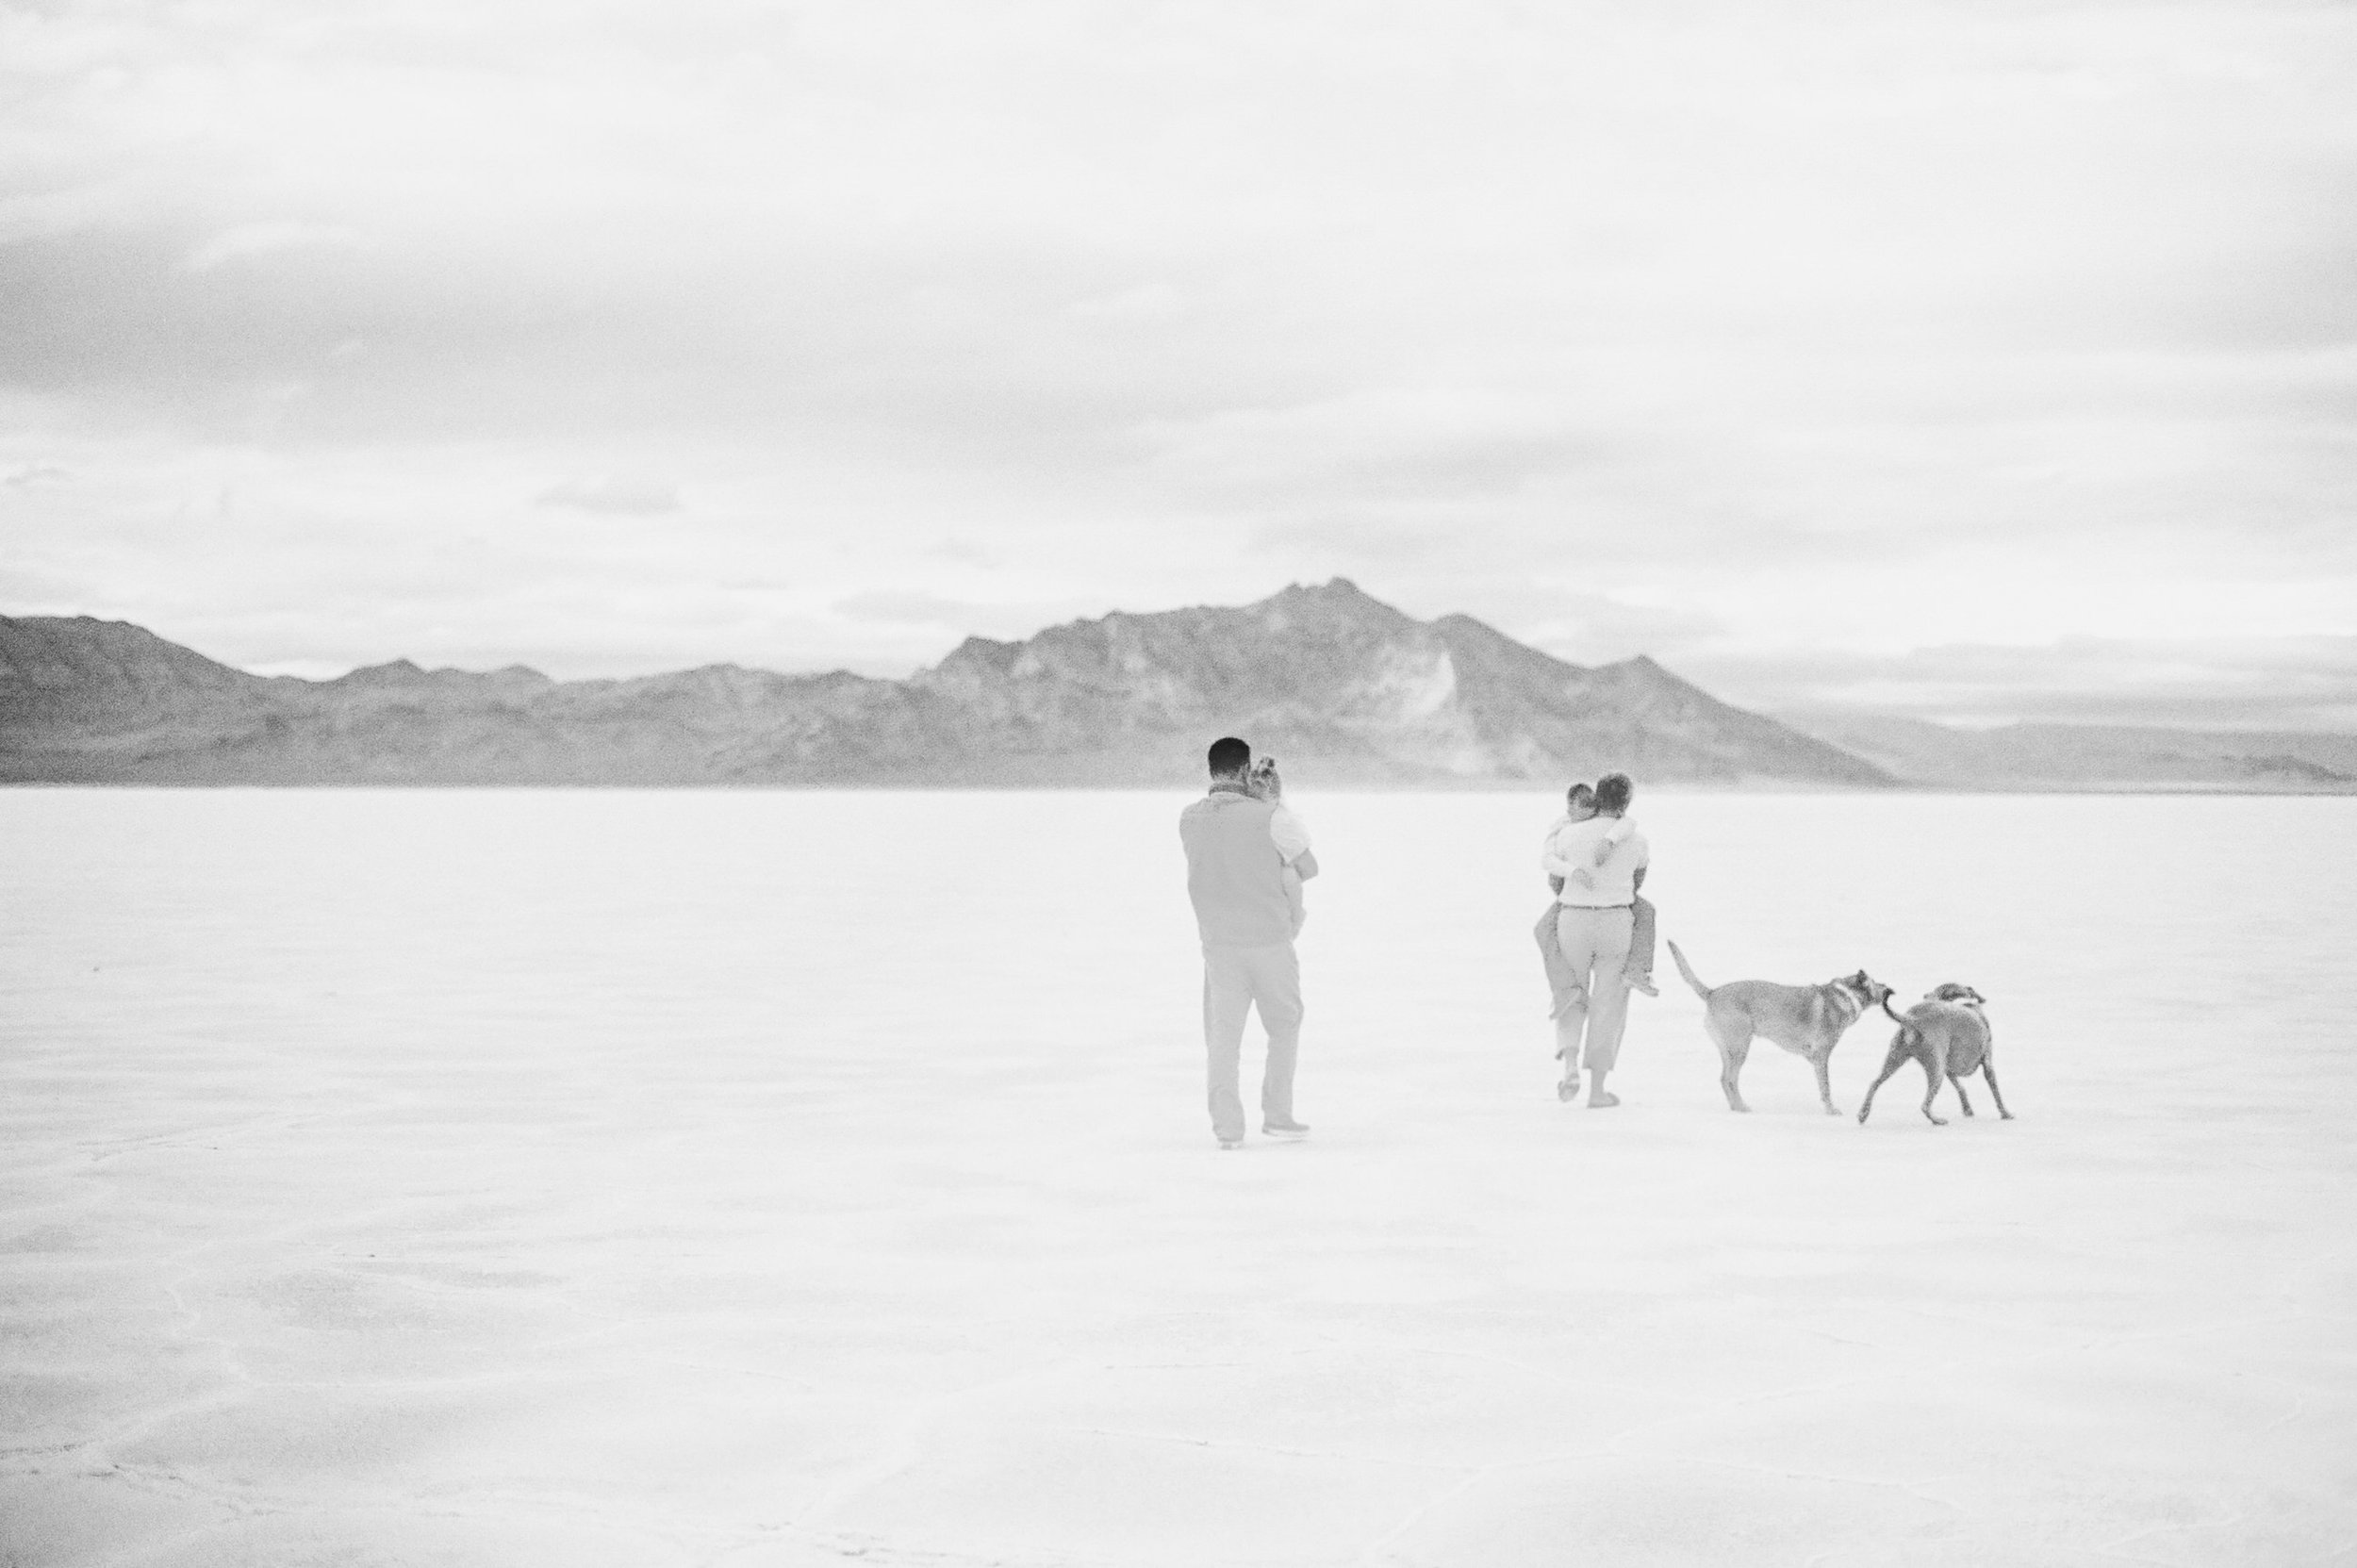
1807, 1020
1947, 1032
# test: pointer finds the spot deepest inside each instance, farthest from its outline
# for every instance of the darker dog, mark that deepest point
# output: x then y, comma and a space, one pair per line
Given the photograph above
1807, 1020
1948, 1034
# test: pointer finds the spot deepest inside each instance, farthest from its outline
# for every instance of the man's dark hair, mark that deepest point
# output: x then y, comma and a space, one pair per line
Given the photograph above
1229, 756
1613, 793
1580, 795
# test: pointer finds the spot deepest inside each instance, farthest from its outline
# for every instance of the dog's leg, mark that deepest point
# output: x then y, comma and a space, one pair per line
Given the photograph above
1962, 1099
1890, 1064
1988, 1069
1734, 1040
1935, 1074
1822, 1061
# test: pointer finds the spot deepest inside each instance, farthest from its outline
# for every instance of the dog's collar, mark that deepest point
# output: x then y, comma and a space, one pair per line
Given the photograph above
1841, 989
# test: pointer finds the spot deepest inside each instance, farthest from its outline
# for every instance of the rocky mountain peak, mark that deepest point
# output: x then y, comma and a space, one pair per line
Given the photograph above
1328, 607
1336, 592
396, 673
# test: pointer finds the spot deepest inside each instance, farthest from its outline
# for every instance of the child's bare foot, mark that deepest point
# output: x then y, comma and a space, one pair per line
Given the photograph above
1567, 1090
1603, 1099
1642, 983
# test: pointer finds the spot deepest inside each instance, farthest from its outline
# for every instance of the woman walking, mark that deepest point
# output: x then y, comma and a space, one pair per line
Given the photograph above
1593, 924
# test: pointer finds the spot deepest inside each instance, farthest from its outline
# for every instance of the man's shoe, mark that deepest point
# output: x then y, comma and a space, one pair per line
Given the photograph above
1231, 1143
1646, 985
1285, 1129
1603, 1099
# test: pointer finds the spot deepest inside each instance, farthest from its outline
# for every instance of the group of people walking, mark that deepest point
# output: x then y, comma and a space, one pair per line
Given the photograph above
1248, 857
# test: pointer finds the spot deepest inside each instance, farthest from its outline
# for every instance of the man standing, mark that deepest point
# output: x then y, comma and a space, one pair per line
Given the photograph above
1594, 922
1236, 855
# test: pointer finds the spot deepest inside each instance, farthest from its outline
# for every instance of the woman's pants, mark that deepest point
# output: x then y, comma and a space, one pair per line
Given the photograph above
1595, 948
1560, 982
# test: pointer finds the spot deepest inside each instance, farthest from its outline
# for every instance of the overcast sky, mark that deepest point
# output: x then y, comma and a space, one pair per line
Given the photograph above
1972, 360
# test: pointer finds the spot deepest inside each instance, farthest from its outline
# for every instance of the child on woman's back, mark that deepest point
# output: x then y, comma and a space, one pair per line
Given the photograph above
1579, 806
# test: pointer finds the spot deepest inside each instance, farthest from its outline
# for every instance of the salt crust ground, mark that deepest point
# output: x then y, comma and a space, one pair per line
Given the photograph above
781, 1179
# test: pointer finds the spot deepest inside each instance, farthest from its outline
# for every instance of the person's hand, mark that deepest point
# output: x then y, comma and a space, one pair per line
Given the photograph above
1585, 879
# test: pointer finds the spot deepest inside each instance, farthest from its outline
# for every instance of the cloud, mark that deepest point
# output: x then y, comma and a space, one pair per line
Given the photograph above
1354, 545
963, 552
1390, 443
42, 593
1143, 300
954, 620
2307, 683
1593, 628
22, 474
910, 609
1609, 325
624, 495
247, 240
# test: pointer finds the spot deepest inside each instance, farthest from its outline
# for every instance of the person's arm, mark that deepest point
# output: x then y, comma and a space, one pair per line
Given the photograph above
1614, 837
1305, 865
1553, 864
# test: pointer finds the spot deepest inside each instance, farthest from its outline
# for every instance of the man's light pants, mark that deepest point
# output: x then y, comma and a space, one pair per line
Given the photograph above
1595, 947
1235, 979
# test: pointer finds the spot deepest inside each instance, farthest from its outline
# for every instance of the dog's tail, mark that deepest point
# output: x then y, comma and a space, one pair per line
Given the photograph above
1687, 969
1900, 1019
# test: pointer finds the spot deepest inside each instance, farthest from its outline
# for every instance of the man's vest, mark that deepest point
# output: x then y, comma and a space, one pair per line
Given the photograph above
1234, 874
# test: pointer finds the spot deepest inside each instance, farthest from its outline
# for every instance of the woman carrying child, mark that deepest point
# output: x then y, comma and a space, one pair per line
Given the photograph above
1597, 939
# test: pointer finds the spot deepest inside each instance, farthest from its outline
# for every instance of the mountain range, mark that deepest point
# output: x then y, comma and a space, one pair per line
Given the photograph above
1342, 688
2120, 757
1345, 689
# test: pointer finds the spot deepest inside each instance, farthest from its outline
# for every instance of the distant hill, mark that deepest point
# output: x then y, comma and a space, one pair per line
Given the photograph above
1342, 688
2092, 756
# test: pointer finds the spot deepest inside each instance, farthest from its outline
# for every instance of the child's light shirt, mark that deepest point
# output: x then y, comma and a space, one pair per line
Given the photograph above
1617, 833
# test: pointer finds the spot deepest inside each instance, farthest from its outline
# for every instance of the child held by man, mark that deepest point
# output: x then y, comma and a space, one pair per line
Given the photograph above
1287, 828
